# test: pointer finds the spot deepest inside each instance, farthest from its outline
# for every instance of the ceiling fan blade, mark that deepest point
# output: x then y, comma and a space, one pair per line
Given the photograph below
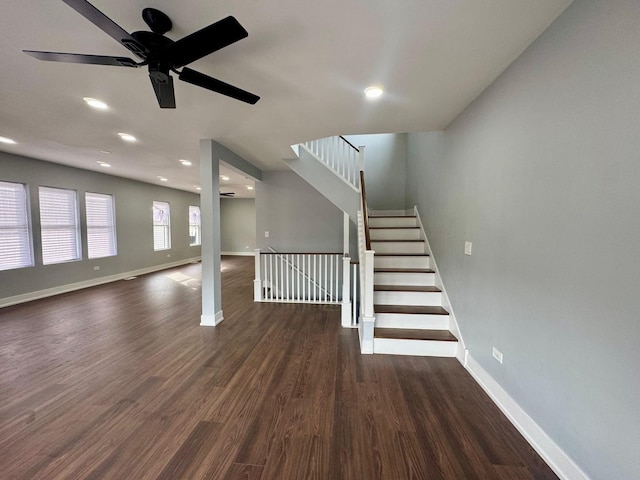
201, 80
108, 26
227, 194
164, 92
203, 42
82, 58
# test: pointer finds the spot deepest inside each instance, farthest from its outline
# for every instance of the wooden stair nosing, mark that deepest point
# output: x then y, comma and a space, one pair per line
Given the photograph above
403, 270
410, 334
391, 216
411, 309
401, 254
373, 240
407, 288
394, 228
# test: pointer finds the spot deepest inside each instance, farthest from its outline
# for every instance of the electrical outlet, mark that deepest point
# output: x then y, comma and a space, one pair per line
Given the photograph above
467, 248
97, 267
497, 354
266, 234
168, 255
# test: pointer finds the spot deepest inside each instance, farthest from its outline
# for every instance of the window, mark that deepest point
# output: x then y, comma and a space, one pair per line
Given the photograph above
101, 228
15, 228
161, 226
59, 225
194, 226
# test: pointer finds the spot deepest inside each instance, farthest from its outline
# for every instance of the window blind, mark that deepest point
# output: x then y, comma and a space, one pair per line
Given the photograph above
101, 229
59, 225
194, 225
15, 228
161, 226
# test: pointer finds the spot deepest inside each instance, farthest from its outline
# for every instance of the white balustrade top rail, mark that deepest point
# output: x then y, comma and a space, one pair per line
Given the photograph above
338, 154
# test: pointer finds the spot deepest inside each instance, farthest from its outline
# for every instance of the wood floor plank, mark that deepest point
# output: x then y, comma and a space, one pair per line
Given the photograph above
120, 381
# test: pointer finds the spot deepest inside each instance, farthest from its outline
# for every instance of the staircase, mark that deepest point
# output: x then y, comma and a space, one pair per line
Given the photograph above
409, 317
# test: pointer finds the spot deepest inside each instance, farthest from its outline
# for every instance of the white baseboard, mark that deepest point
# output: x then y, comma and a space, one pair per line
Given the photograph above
49, 292
240, 254
211, 320
550, 452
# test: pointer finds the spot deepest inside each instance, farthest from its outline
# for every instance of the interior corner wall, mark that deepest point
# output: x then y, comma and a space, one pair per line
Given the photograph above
297, 217
134, 226
385, 168
238, 225
542, 174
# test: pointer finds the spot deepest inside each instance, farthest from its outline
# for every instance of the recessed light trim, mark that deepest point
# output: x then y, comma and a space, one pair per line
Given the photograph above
95, 103
127, 137
104, 164
198, 188
8, 141
186, 163
373, 92
224, 177
162, 179
249, 187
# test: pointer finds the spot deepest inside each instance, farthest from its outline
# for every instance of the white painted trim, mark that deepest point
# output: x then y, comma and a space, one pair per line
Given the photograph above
550, 452
335, 172
211, 320
446, 303
239, 254
71, 287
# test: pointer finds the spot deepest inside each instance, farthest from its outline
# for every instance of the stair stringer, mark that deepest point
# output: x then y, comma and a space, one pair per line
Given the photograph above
332, 186
453, 323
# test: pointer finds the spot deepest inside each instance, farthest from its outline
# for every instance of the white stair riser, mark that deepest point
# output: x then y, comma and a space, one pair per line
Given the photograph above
395, 234
397, 247
412, 321
404, 278
426, 348
401, 262
407, 298
393, 222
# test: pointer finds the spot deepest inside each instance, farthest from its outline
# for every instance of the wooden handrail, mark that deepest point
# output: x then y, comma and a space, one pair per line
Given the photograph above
365, 216
349, 143
302, 253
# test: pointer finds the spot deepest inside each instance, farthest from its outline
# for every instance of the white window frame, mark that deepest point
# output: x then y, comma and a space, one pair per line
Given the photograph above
59, 225
161, 226
101, 225
195, 226
16, 245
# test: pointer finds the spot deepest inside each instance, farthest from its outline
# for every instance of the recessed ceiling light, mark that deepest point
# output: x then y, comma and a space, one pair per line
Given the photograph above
224, 177
103, 164
7, 140
373, 92
92, 102
162, 179
186, 163
105, 152
127, 137
249, 187
198, 188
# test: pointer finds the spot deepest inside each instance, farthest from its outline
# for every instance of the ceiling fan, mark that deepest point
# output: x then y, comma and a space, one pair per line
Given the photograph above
160, 54
227, 194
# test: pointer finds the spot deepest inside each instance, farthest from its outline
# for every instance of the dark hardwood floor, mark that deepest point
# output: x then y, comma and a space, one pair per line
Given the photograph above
121, 382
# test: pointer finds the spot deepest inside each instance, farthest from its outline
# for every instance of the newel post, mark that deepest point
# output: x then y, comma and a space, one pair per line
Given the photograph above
367, 322
346, 292
257, 283
361, 157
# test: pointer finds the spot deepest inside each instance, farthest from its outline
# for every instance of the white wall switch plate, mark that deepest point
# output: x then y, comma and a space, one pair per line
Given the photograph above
467, 248
266, 234
497, 354
97, 267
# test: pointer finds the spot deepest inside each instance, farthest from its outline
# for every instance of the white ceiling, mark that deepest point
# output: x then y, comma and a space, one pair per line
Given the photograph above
309, 61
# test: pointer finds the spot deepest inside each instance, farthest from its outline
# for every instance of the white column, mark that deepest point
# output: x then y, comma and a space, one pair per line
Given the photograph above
210, 218
257, 282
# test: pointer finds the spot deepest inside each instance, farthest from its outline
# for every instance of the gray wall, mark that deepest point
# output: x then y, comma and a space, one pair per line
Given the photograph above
134, 225
297, 217
385, 168
542, 174
238, 224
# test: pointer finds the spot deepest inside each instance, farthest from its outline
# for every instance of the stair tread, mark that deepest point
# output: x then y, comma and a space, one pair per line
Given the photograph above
394, 228
411, 309
402, 254
406, 288
391, 216
404, 270
398, 240
407, 334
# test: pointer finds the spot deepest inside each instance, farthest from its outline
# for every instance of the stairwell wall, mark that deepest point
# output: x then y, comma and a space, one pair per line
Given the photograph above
541, 173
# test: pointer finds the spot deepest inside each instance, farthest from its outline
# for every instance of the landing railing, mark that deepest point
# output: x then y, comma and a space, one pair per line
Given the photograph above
339, 155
